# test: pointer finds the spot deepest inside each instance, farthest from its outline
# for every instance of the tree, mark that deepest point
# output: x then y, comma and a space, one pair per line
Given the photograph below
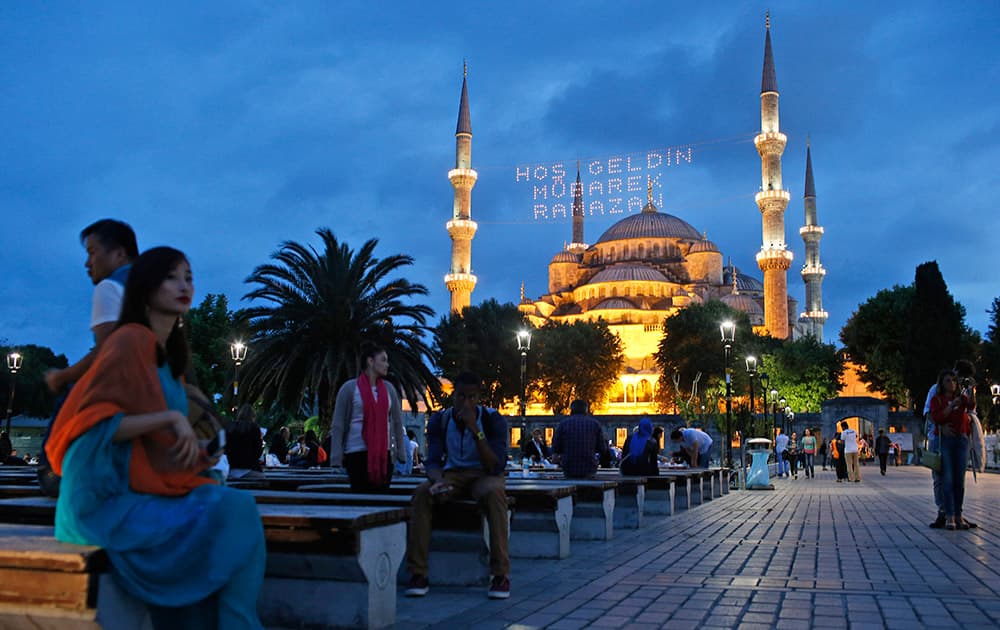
875, 338
211, 328
481, 340
937, 333
576, 361
691, 344
321, 307
805, 371
31, 396
991, 346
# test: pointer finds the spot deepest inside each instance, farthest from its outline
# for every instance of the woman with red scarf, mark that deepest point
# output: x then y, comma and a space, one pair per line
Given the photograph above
949, 411
361, 425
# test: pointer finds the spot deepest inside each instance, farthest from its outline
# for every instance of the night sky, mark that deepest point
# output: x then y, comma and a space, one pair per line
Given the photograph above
224, 128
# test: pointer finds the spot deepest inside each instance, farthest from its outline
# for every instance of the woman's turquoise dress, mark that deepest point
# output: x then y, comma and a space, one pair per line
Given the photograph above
198, 559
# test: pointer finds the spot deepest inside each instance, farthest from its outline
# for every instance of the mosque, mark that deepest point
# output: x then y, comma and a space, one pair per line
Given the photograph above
649, 265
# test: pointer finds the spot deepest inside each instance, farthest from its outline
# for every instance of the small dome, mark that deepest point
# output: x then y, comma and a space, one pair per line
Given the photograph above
566, 257
743, 281
703, 246
650, 225
743, 302
623, 273
614, 303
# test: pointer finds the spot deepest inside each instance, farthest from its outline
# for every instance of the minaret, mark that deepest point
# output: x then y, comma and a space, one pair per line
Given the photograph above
774, 259
812, 270
460, 281
577, 245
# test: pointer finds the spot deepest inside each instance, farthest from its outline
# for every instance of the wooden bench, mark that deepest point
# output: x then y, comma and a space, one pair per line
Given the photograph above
338, 563
593, 504
46, 584
459, 538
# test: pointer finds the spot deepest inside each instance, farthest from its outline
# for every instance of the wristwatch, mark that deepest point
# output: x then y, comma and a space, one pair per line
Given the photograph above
480, 436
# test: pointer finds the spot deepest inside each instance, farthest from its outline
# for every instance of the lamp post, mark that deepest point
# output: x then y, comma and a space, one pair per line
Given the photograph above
523, 345
238, 350
765, 380
728, 331
751, 362
783, 406
774, 410
14, 360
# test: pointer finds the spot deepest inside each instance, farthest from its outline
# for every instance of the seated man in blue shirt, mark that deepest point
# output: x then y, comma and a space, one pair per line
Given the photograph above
695, 443
466, 455
577, 441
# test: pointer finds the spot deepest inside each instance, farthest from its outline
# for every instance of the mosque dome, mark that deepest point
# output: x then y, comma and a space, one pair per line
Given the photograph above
703, 246
745, 303
650, 225
566, 257
624, 273
743, 281
614, 303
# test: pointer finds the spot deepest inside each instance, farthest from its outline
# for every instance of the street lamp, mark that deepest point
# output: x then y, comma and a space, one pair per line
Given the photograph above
728, 331
995, 392
774, 409
238, 350
14, 360
751, 362
765, 380
788, 417
523, 345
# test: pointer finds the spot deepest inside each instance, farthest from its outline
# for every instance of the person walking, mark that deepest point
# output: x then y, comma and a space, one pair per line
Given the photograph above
882, 450
949, 411
780, 445
839, 461
824, 452
851, 451
808, 454
792, 454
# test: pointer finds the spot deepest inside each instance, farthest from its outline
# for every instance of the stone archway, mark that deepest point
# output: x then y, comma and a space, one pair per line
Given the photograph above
837, 409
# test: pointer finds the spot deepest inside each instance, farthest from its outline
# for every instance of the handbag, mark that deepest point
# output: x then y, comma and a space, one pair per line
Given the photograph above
932, 459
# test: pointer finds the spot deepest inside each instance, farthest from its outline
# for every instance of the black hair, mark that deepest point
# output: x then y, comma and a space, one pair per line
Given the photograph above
467, 378
676, 435
370, 351
311, 436
657, 431
965, 368
410, 434
844, 425
578, 407
113, 234
940, 380
147, 274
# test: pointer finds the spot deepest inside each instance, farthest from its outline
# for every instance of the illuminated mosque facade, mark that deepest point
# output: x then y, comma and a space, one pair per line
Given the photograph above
649, 265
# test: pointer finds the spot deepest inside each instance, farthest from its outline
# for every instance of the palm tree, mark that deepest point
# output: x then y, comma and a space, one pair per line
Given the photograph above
322, 306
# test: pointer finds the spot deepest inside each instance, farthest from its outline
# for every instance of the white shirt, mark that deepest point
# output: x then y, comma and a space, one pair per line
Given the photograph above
850, 438
107, 303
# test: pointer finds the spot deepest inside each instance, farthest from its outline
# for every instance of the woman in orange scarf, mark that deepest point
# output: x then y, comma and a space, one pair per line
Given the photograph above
131, 468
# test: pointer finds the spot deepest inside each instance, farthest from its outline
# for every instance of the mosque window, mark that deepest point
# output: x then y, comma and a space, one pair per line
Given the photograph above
656, 250
628, 291
614, 291
624, 251
612, 254
601, 292
640, 250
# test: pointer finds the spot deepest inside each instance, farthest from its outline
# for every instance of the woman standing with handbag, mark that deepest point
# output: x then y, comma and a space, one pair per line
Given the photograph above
949, 411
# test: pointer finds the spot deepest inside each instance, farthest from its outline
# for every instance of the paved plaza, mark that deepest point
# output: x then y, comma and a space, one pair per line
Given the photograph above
812, 553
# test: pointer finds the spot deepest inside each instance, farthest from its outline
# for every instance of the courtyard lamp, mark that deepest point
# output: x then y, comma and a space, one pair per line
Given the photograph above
14, 360
995, 392
523, 345
774, 409
238, 350
751, 362
728, 331
764, 382
789, 416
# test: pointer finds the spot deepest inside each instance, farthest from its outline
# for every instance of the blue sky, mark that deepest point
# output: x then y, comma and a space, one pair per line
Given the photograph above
224, 128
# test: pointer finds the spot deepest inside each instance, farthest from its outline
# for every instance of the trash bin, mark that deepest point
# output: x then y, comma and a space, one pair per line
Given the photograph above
758, 478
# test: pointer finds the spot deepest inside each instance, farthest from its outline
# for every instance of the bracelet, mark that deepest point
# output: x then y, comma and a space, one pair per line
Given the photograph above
480, 436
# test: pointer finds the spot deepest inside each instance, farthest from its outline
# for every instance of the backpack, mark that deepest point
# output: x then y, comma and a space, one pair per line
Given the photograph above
321, 455
833, 450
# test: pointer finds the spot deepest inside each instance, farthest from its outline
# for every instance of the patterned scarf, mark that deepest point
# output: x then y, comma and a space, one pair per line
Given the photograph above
375, 427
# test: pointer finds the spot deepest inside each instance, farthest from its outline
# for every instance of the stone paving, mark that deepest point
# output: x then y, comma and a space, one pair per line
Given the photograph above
812, 553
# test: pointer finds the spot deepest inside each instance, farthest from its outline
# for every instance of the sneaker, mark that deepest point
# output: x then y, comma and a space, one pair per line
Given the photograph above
417, 586
499, 587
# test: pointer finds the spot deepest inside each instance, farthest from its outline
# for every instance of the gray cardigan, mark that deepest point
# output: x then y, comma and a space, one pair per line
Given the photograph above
344, 409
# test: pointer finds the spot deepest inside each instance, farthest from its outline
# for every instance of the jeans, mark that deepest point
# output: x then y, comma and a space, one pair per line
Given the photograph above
782, 462
808, 463
954, 458
932, 445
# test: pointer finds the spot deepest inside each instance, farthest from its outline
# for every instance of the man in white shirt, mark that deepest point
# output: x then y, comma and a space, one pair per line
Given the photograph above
851, 455
110, 246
